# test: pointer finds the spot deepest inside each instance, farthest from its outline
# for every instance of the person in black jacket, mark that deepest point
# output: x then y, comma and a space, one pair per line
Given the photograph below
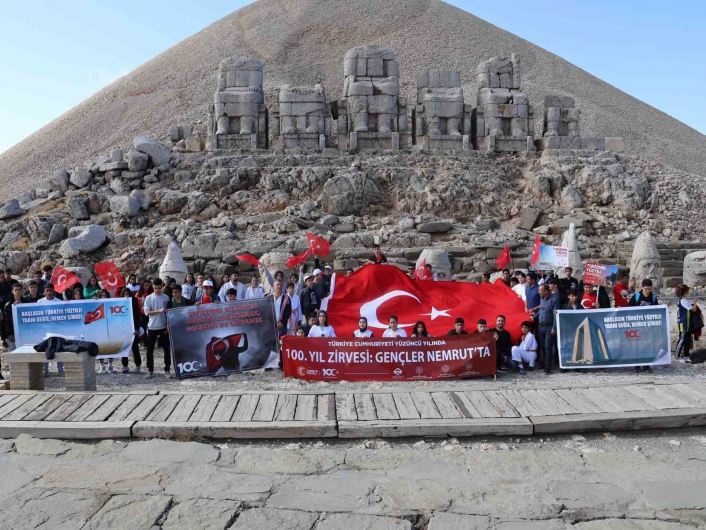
127, 293
8, 325
308, 298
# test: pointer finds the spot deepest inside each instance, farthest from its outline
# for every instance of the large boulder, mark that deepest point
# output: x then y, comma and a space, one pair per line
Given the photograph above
274, 261
439, 260
646, 262
11, 209
137, 161
141, 197
78, 208
91, 239
60, 180
124, 205
159, 154
82, 273
173, 264
15, 260
58, 232
695, 269
80, 178
173, 202
348, 194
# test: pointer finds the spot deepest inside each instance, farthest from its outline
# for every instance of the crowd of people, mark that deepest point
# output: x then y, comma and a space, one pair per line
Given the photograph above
298, 308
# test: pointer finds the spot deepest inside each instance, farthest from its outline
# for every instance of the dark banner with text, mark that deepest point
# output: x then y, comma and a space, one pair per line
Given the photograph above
353, 359
224, 338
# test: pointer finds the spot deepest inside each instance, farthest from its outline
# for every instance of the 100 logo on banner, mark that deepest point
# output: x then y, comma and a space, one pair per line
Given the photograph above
193, 366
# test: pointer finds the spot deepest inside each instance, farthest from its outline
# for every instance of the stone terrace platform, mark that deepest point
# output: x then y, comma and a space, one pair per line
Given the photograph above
351, 414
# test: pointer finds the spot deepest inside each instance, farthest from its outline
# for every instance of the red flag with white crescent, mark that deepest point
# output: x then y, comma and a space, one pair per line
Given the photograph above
318, 245
109, 275
378, 292
422, 273
63, 279
94, 316
535, 250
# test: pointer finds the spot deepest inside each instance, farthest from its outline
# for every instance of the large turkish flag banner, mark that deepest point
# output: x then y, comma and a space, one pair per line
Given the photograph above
376, 292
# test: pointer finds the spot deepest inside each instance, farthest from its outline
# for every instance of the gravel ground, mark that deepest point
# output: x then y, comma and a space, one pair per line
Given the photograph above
275, 380
303, 42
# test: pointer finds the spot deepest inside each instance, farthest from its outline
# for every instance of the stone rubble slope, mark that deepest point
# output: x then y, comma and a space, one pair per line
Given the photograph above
301, 42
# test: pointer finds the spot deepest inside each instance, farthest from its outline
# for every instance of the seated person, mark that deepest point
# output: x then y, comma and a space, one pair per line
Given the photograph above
526, 352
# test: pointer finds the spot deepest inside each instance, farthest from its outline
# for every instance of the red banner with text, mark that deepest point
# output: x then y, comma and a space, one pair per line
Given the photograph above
383, 359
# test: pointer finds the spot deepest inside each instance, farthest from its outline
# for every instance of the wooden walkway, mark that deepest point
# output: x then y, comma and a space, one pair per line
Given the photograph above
352, 414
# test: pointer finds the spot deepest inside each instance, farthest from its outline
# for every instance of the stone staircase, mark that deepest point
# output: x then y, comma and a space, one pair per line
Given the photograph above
672, 255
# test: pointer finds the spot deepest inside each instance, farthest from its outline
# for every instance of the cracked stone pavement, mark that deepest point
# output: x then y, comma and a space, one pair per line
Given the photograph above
605, 482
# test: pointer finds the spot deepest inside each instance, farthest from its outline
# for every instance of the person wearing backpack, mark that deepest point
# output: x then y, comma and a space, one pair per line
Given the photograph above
686, 311
644, 297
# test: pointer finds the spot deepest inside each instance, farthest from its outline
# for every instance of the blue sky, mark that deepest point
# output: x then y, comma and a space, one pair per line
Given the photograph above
56, 54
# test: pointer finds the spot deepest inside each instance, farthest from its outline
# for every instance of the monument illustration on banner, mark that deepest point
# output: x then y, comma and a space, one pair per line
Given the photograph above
590, 344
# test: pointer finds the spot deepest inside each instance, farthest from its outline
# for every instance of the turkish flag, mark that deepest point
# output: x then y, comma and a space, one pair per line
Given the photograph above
225, 352
535, 250
95, 315
422, 273
109, 275
63, 279
248, 258
318, 245
588, 301
297, 260
378, 292
504, 259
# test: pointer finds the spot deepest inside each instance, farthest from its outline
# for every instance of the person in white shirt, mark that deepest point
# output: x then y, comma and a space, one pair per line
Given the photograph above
393, 330
132, 284
49, 298
233, 284
322, 328
254, 291
521, 287
296, 315
188, 289
363, 331
526, 352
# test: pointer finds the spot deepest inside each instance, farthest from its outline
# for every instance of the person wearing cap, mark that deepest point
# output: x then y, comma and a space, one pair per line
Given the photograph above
232, 284
319, 284
459, 328
207, 297
378, 258
308, 298
254, 290
49, 298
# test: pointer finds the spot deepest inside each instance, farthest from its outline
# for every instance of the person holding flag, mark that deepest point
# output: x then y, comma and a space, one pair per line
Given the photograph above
110, 277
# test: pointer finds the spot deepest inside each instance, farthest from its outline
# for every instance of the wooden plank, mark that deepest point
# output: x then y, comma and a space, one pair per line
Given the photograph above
575, 399
68, 407
244, 392
620, 421
226, 407
483, 405
88, 408
655, 396
425, 405
557, 401
465, 406
434, 427
66, 430
246, 408
524, 407
5, 398
240, 430
697, 397
701, 387
144, 409
447, 408
306, 408
265, 408
31, 405
205, 408
345, 407
501, 404
365, 407
286, 406
103, 412
326, 407
49, 406
628, 402
540, 403
126, 407
15, 403
405, 406
385, 407
596, 399
186, 406
164, 408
